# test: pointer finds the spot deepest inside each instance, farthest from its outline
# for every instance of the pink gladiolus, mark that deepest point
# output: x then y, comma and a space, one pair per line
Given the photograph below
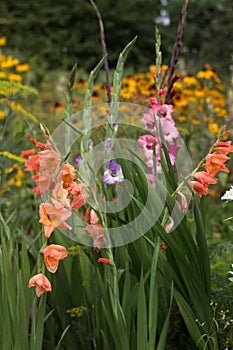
41, 282
49, 161
184, 204
91, 216
79, 193
44, 181
159, 116
59, 196
52, 255
33, 164
97, 233
52, 217
67, 175
170, 225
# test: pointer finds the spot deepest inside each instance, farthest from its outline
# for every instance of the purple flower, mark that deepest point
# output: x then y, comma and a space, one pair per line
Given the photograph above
115, 126
78, 160
108, 143
113, 174
90, 143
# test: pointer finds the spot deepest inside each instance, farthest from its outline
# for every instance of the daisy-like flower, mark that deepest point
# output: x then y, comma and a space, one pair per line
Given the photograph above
113, 174
228, 196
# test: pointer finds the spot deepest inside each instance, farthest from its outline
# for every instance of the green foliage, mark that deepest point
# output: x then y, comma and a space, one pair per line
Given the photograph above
56, 35
21, 313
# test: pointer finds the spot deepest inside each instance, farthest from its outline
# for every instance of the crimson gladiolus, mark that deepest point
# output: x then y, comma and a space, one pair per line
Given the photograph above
41, 282
52, 255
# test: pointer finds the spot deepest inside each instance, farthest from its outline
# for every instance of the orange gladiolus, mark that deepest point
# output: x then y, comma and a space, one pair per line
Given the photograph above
52, 217
224, 147
205, 178
52, 255
41, 282
215, 163
199, 188
105, 261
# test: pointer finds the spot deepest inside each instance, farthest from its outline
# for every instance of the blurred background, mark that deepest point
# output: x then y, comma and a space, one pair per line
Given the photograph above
55, 35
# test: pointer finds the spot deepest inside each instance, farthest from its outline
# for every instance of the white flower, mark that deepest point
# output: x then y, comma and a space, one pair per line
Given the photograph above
231, 272
228, 196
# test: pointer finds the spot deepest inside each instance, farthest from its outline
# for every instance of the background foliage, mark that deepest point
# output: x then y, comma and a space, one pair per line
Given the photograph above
56, 36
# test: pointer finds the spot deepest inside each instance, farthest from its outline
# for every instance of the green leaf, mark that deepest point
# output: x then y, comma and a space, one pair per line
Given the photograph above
153, 300
141, 316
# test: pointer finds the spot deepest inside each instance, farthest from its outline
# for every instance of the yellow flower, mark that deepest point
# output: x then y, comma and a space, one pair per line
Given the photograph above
178, 85
207, 119
153, 69
9, 62
12, 156
77, 311
221, 112
17, 179
2, 115
182, 118
208, 74
2, 41
22, 68
213, 128
199, 92
195, 121
14, 77
2, 75
190, 80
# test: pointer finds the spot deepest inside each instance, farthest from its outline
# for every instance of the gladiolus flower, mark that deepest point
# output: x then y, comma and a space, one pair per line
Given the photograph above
113, 174
105, 261
199, 188
170, 225
49, 161
205, 178
33, 164
52, 255
91, 216
184, 204
59, 196
79, 193
52, 217
163, 246
97, 233
223, 147
67, 174
27, 153
41, 282
215, 163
